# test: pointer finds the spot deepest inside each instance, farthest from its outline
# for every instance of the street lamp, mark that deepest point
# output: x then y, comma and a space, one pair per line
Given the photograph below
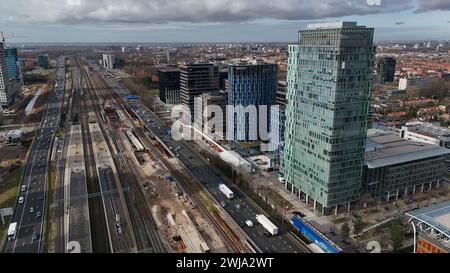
414, 230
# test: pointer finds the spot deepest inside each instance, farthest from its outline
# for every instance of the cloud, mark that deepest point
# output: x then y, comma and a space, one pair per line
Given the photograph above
429, 5
190, 11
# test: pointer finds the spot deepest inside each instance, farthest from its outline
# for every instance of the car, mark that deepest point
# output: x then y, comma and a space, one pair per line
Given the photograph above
249, 223
21, 200
23, 188
40, 197
238, 206
282, 180
34, 236
38, 214
223, 204
31, 209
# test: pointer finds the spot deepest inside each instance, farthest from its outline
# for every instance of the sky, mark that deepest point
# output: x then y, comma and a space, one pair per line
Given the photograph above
153, 21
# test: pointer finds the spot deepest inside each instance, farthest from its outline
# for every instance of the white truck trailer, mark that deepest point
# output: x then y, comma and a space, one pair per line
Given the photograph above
12, 231
267, 224
226, 191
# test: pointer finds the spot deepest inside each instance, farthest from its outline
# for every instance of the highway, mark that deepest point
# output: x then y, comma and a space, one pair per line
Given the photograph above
31, 214
258, 238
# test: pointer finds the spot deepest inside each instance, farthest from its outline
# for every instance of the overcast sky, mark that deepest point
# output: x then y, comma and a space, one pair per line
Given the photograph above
214, 20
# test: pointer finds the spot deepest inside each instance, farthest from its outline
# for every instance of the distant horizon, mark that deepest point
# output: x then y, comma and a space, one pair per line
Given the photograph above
203, 42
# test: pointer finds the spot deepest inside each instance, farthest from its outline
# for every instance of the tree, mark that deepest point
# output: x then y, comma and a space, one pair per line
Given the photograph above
345, 231
358, 225
147, 81
397, 235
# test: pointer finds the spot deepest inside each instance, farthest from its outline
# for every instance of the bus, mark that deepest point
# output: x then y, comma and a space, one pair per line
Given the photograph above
12, 231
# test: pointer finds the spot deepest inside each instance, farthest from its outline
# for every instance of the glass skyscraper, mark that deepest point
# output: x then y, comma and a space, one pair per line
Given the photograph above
329, 83
250, 83
12, 60
386, 69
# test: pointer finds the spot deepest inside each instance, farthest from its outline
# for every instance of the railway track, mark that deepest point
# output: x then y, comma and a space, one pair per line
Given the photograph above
99, 230
144, 226
231, 241
124, 172
120, 204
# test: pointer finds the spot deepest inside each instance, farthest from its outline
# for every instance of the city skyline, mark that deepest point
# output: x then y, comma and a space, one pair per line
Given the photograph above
225, 127
220, 21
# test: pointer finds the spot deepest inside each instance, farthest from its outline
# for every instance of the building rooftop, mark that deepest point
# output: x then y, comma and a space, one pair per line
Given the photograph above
384, 148
249, 62
332, 25
435, 216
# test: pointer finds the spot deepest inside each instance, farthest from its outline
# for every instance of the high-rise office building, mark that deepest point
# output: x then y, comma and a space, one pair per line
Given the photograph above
223, 76
218, 98
197, 78
169, 85
108, 61
11, 62
43, 61
13, 65
386, 69
329, 83
250, 83
281, 93
4, 78
278, 119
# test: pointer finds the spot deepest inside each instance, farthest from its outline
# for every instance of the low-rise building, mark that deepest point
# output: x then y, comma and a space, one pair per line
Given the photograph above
426, 81
395, 167
426, 133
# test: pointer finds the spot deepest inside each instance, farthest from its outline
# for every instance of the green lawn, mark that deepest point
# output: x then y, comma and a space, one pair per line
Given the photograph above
8, 194
9, 188
50, 230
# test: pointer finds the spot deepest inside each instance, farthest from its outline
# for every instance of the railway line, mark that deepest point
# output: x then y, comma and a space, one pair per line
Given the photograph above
99, 231
226, 233
145, 229
118, 221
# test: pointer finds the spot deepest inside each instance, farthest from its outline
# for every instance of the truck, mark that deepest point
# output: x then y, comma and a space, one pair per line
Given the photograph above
267, 224
226, 191
12, 231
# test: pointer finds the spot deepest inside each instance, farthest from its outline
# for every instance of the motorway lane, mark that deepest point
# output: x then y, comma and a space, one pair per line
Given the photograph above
210, 180
30, 215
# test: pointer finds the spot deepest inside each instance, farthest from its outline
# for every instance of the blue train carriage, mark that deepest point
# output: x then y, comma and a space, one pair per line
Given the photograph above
318, 240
